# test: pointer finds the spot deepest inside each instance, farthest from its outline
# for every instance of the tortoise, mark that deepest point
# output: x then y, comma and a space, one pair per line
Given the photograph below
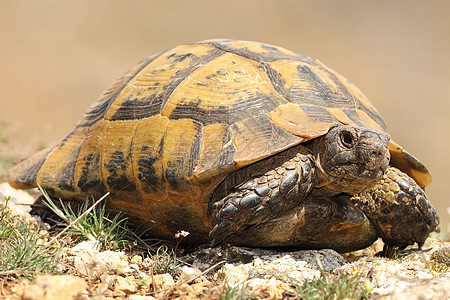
244, 143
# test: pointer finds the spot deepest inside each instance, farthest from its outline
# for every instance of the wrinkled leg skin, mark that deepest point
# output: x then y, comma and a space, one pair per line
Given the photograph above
264, 198
398, 209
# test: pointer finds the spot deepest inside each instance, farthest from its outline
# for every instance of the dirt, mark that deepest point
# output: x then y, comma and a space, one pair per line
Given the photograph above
209, 273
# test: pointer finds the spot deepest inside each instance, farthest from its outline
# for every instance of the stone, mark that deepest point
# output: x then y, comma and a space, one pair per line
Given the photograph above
270, 289
55, 287
270, 273
116, 261
206, 256
428, 289
91, 247
14, 210
189, 273
106, 282
137, 259
21, 199
200, 290
126, 284
163, 282
283, 268
140, 297
412, 268
87, 265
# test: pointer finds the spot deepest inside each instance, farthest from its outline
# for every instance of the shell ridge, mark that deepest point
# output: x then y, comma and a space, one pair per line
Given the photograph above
342, 88
195, 150
259, 57
275, 80
102, 159
130, 156
372, 113
66, 181
202, 154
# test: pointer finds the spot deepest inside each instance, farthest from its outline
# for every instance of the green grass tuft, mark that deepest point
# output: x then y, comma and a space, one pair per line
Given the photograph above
22, 249
164, 261
340, 286
110, 230
332, 286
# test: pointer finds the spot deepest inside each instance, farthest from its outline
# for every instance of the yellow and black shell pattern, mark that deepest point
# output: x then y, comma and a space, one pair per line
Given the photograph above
168, 131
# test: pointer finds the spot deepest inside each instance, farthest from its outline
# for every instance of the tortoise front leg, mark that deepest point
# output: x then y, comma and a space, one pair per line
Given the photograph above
264, 198
399, 210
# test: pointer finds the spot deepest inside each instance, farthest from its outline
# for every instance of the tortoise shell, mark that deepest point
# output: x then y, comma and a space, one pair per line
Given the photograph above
169, 131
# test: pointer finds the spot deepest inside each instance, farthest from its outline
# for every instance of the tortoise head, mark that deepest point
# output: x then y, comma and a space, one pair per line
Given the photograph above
349, 159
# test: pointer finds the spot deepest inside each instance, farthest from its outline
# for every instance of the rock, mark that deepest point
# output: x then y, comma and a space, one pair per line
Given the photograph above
88, 265
106, 282
162, 282
137, 259
55, 287
283, 269
139, 297
270, 289
206, 256
429, 289
189, 273
126, 284
93, 264
412, 270
270, 273
117, 261
263, 273
20, 205
14, 210
200, 290
20, 198
90, 247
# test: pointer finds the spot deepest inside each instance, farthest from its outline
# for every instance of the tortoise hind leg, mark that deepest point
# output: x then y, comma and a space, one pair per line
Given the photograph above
399, 209
263, 198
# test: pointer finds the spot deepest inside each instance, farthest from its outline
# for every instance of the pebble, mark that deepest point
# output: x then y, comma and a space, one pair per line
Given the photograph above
55, 287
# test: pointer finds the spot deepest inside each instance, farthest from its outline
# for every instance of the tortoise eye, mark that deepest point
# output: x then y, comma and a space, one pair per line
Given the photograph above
347, 139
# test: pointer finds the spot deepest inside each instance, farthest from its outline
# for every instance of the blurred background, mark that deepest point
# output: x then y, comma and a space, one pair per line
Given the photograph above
56, 57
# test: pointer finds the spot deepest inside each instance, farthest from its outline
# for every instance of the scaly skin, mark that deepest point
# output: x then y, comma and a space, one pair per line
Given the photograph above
399, 210
260, 199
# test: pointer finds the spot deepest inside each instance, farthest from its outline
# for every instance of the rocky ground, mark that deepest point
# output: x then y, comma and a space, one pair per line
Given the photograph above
84, 271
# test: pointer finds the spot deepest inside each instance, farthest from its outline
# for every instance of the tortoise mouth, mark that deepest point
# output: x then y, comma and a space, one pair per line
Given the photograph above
356, 170
353, 178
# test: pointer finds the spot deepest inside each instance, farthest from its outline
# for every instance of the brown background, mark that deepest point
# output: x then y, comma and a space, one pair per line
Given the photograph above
57, 56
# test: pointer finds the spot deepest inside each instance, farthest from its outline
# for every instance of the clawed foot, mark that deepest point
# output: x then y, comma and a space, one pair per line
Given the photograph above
399, 209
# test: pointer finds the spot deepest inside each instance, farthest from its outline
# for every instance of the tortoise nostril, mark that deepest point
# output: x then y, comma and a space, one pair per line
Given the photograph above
377, 153
378, 150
